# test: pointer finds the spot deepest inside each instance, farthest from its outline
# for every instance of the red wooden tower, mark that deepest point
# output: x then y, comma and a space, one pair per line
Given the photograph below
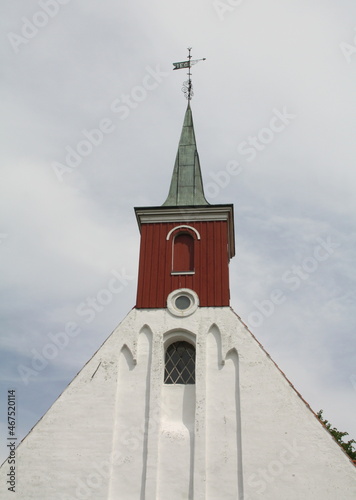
186, 243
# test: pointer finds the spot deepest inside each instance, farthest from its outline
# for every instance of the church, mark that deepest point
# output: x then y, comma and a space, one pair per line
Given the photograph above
181, 402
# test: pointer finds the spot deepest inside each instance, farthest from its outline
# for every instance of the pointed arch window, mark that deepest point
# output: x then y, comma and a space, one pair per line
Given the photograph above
183, 253
180, 363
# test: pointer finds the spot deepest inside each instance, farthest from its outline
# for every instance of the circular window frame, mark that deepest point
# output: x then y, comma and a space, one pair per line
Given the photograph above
182, 292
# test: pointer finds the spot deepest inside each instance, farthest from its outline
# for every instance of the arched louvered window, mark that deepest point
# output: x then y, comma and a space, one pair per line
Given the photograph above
183, 253
180, 363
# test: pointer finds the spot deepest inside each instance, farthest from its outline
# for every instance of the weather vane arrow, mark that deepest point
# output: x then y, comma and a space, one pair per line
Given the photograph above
187, 85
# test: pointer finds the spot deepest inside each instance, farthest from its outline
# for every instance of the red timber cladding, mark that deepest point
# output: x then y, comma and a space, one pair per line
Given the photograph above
210, 279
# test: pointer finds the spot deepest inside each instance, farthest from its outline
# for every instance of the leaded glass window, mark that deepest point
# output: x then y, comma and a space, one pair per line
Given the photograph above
180, 364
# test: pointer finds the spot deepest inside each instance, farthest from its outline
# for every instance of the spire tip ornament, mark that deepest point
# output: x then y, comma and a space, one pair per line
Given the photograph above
187, 88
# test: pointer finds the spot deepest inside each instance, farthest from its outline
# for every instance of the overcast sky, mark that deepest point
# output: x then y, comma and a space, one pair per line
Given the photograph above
274, 116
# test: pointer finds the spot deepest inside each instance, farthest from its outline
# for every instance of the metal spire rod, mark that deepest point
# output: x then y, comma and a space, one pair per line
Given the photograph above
187, 88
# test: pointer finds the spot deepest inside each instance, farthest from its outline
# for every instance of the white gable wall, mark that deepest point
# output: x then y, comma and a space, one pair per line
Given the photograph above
250, 435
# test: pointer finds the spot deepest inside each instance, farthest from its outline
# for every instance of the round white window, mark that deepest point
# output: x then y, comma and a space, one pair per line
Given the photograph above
182, 302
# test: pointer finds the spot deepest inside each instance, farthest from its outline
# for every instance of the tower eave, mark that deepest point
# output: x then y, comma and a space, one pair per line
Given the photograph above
190, 213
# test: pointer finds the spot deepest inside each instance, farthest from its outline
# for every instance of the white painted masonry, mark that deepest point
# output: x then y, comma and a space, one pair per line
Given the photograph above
240, 433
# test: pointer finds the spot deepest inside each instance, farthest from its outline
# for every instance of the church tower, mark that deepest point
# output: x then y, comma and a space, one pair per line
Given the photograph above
181, 402
186, 243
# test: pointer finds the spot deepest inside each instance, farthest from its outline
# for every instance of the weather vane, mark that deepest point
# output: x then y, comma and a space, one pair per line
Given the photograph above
187, 88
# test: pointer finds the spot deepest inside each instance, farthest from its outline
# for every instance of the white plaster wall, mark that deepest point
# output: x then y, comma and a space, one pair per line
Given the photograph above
66, 455
253, 436
128, 454
222, 422
176, 442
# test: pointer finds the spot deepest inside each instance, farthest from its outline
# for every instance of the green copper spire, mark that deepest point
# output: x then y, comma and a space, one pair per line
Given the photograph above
186, 185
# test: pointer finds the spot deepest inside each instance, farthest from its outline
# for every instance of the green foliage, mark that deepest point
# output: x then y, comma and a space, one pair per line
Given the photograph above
338, 435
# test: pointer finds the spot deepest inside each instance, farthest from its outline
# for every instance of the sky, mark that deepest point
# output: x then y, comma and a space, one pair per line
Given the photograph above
91, 119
